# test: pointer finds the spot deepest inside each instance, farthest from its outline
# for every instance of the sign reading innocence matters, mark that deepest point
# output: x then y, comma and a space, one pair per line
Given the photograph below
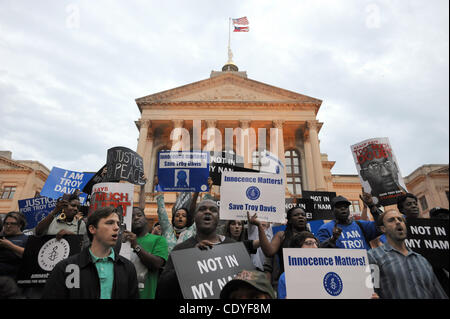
203, 273
328, 273
262, 194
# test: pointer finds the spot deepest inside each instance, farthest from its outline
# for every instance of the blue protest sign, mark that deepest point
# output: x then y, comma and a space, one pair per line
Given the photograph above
62, 181
183, 171
36, 209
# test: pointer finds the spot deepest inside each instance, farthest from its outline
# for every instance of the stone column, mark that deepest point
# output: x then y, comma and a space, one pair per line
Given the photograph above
245, 139
317, 161
143, 129
309, 161
276, 136
178, 131
210, 136
148, 162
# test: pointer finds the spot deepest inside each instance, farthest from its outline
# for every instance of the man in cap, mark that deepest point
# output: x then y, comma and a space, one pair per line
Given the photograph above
343, 231
439, 213
248, 284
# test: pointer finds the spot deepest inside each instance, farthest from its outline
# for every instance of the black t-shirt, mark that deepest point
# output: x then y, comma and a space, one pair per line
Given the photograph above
9, 261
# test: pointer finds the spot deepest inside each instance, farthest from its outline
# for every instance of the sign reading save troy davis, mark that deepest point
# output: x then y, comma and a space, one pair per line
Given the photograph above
183, 171
258, 193
328, 273
203, 273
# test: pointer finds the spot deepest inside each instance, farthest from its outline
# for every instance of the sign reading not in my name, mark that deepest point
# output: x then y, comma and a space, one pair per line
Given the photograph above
203, 273
429, 237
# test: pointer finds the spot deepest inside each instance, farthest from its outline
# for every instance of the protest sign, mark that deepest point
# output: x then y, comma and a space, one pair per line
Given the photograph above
270, 163
225, 161
328, 273
183, 171
306, 204
429, 237
36, 209
42, 254
120, 196
98, 177
203, 273
262, 194
322, 204
124, 164
378, 170
62, 181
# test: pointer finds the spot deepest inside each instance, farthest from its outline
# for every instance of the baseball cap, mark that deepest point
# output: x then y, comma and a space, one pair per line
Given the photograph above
438, 210
255, 278
339, 199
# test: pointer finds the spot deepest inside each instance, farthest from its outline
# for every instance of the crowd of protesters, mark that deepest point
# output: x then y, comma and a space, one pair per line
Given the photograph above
150, 272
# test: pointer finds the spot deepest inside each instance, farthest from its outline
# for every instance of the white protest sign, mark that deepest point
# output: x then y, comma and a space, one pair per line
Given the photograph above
262, 194
328, 273
120, 196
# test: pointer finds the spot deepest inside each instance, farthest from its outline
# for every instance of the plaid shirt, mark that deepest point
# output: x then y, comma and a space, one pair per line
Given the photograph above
404, 277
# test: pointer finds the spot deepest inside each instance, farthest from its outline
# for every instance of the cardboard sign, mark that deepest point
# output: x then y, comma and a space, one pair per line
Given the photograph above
36, 209
98, 177
225, 162
120, 196
270, 163
328, 273
124, 164
378, 170
42, 254
203, 273
262, 194
62, 181
322, 204
183, 171
429, 237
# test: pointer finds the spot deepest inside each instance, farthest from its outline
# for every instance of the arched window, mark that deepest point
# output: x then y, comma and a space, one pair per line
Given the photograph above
293, 172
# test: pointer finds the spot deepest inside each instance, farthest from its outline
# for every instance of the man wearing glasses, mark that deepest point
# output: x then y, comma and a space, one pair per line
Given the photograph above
12, 243
380, 171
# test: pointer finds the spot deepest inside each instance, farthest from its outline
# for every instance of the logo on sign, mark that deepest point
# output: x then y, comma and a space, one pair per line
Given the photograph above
53, 252
253, 193
332, 284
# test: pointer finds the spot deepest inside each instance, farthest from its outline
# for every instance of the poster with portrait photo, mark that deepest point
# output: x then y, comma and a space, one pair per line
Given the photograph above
378, 170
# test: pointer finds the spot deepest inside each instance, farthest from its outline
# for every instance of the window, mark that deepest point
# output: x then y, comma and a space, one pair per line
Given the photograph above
423, 203
354, 207
255, 161
8, 192
293, 175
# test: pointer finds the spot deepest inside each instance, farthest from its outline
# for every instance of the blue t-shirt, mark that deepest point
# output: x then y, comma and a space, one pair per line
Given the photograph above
352, 236
282, 286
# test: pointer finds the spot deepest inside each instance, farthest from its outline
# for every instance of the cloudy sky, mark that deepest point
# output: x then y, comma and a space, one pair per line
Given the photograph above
71, 70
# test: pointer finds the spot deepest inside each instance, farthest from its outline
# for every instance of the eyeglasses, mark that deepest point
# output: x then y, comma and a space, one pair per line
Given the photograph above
310, 243
376, 167
10, 224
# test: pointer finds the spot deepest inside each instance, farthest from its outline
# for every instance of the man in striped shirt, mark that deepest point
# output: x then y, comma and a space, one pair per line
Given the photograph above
403, 274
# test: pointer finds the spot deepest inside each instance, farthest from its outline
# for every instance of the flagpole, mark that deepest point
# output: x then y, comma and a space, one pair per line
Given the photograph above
229, 32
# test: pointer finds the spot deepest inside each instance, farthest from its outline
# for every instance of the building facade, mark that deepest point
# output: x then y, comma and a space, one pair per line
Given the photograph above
203, 114
19, 179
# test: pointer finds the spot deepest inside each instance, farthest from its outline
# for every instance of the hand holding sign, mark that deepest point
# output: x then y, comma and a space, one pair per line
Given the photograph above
253, 220
337, 231
366, 198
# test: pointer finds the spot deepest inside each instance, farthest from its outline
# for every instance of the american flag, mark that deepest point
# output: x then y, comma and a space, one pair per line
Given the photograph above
241, 21
240, 29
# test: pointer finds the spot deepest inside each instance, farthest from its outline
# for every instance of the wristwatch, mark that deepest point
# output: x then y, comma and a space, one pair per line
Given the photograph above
137, 249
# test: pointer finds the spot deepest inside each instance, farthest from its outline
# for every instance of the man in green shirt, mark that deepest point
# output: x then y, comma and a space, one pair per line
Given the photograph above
149, 253
96, 272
